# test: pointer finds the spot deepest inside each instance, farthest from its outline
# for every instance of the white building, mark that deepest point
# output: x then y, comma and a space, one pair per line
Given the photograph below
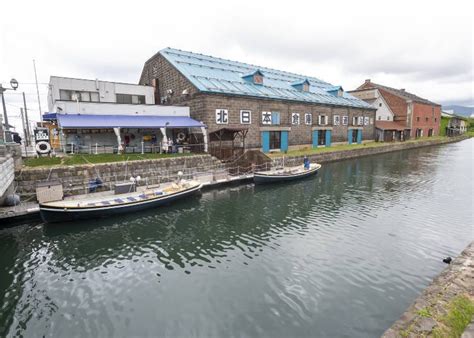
114, 116
374, 98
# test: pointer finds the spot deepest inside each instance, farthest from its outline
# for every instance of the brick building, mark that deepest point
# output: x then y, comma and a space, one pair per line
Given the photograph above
279, 110
400, 114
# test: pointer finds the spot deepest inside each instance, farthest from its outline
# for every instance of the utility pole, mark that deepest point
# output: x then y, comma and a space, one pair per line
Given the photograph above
24, 128
37, 93
8, 136
27, 135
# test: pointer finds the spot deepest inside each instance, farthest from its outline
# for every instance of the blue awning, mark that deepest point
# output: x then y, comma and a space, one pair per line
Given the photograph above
125, 121
49, 116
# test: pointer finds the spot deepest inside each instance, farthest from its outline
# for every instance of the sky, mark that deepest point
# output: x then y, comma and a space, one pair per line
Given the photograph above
425, 47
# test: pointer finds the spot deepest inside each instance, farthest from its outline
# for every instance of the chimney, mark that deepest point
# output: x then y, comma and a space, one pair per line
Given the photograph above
367, 81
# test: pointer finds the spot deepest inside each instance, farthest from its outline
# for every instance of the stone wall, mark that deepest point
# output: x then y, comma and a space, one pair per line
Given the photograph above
425, 316
75, 179
370, 150
7, 173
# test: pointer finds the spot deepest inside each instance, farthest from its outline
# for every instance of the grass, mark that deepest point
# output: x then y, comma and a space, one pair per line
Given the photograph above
460, 314
342, 147
425, 312
88, 158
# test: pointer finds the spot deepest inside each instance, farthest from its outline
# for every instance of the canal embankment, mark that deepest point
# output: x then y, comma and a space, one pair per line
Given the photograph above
446, 306
367, 149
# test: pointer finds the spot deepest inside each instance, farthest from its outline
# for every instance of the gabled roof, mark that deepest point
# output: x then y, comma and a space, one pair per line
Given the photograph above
399, 92
252, 73
214, 75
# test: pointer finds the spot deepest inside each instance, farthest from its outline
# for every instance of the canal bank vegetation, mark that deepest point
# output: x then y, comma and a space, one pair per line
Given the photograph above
447, 321
342, 147
79, 159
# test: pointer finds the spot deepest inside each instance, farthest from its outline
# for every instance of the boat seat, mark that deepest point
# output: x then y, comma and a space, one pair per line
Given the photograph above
118, 200
131, 199
105, 202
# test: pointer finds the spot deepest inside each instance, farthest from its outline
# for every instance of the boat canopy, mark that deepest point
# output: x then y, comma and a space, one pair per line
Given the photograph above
125, 121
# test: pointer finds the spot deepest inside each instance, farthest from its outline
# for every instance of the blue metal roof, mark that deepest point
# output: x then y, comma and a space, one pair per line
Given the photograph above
125, 121
215, 75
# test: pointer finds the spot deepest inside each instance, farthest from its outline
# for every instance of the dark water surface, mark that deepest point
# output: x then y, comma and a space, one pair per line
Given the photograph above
339, 255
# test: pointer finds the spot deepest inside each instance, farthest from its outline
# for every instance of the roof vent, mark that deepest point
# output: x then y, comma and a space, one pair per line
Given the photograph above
301, 85
367, 81
255, 77
336, 91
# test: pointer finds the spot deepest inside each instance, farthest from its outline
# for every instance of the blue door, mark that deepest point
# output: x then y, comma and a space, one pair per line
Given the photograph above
266, 141
315, 138
349, 136
328, 138
284, 141
359, 136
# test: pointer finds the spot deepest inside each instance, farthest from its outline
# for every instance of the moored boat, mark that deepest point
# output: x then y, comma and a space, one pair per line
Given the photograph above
285, 173
109, 204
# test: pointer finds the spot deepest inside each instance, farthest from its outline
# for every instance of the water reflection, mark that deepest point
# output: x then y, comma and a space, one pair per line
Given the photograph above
340, 254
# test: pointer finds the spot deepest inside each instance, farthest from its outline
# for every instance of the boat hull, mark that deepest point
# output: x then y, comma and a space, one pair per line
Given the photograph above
57, 214
262, 178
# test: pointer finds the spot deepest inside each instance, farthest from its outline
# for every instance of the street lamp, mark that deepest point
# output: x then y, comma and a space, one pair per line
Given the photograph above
14, 86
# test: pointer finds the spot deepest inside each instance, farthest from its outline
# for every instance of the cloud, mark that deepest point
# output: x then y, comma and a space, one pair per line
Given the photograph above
425, 49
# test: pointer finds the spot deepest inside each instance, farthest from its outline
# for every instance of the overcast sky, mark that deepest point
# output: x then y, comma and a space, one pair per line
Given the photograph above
424, 47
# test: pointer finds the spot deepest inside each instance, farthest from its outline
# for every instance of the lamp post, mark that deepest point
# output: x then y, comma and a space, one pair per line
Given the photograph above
14, 86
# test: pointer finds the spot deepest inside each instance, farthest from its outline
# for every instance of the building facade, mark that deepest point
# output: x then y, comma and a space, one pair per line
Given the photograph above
279, 110
400, 114
92, 115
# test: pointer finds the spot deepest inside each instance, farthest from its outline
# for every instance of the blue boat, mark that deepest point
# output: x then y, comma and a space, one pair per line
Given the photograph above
109, 204
285, 174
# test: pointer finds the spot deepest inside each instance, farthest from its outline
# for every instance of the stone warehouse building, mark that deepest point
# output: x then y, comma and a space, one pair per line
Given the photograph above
278, 110
400, 114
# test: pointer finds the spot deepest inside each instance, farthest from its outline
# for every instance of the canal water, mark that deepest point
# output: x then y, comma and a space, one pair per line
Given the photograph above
340, 255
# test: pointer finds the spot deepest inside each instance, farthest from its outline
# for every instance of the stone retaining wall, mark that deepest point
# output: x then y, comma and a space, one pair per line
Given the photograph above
422, 318
75, 179
353, 153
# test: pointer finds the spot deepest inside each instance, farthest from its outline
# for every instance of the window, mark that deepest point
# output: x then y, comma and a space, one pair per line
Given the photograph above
360, 121
308, 119
130, 99
322, 120
380, 117
388, 118
82, 96
371, 120
275, 117
345, 120
295, 118
426, 119
417, 119
436, 119
366, 120
245, 117
258, 79
222, 116
336, 120
380, 104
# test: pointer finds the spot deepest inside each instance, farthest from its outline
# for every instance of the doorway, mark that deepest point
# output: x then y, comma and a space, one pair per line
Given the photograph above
322, 138
275, 140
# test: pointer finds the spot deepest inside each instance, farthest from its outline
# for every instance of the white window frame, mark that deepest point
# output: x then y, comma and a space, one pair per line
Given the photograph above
310, 119
264, 113
320, 120
241, 116
366, 120
336, 120
218, 115
345, 120
292, 118
360, 121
